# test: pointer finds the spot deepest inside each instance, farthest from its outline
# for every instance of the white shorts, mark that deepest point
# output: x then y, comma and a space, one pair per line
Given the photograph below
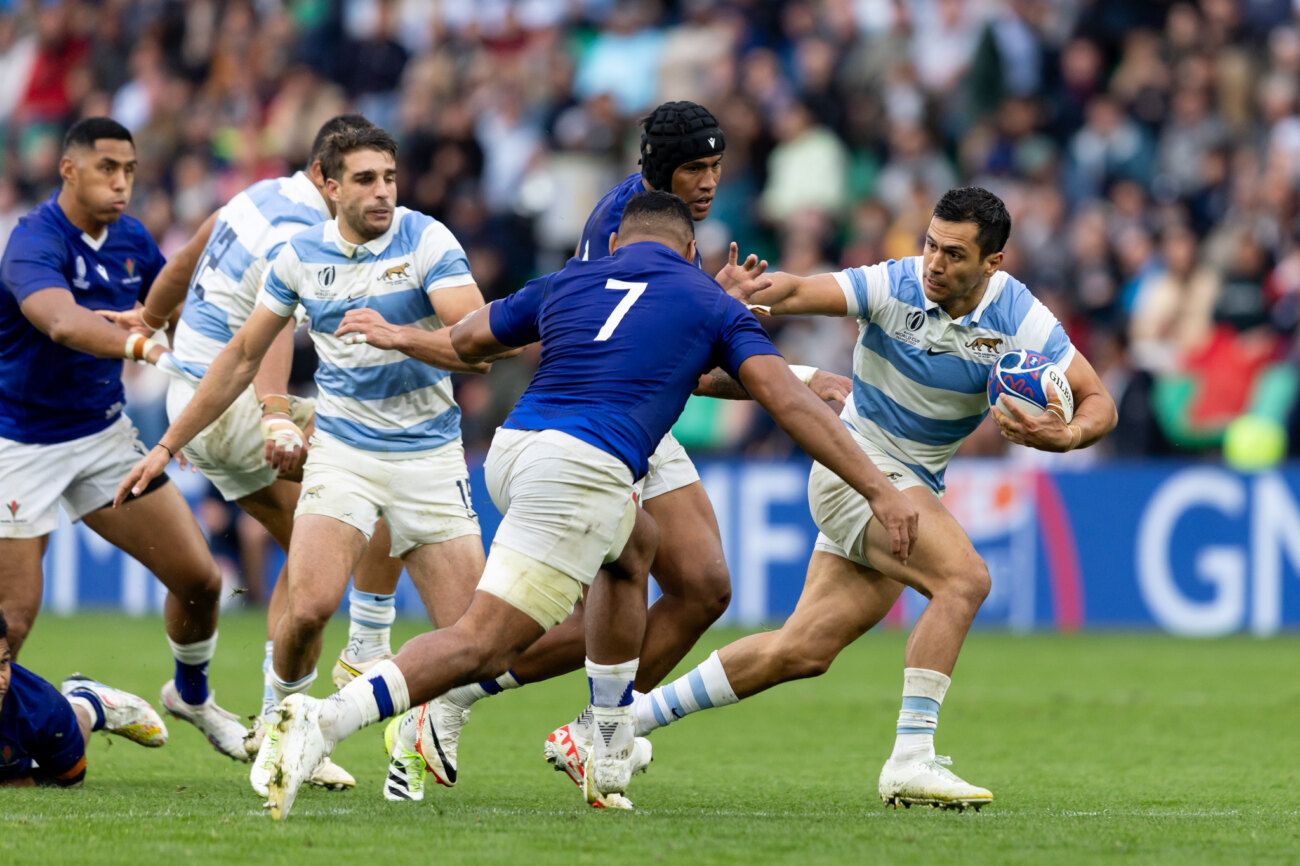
566, 503
82, 474
423, 499
842, 513
670, 469
230, 452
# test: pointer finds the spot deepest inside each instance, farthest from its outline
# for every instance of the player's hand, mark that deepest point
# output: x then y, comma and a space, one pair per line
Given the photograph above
128, 320
368, 326
831, 386
899, 517
286, 447
150, 467
741, 281
1046, 432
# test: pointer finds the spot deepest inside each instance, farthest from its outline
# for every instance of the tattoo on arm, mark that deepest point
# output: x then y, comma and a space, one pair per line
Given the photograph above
720, 386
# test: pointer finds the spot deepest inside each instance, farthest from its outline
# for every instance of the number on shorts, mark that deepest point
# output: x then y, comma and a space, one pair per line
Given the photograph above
634, 291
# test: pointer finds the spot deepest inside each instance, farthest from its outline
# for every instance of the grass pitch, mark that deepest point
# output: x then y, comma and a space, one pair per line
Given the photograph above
1098, 748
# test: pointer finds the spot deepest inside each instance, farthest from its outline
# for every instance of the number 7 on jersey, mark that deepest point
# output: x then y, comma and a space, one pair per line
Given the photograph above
634, 291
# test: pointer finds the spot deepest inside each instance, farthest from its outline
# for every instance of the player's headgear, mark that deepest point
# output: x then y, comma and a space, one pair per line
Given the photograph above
88, 130
674, 134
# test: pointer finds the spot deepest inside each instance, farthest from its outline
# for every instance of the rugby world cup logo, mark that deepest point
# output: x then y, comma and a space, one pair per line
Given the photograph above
325, 276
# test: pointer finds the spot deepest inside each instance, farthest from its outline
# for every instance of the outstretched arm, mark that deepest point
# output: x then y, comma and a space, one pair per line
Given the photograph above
227, 377
56, 313
432, 347
790, 295
813, 425
162, 306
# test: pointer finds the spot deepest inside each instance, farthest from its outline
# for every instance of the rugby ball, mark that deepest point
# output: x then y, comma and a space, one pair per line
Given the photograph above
1032, 382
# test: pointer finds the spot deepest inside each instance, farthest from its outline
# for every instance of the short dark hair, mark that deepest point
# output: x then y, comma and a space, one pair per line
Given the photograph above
340, 144
657, 213
336, 124
87, 131
4, 626
973, 204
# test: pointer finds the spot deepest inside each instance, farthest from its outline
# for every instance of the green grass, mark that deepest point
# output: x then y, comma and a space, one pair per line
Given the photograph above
1099, 748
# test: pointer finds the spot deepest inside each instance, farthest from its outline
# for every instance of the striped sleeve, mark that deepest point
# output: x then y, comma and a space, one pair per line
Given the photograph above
864, 288
440, 259
1041, 332
278, 294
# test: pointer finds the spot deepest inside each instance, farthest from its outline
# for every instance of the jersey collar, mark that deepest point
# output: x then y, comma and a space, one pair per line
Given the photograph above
991, 292
374, 246
95, 244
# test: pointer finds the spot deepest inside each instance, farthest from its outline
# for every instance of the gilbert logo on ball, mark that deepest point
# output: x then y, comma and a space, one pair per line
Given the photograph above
1032, 382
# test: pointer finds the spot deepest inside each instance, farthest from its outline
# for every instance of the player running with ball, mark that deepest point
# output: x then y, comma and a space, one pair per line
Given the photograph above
930, 328
562, 469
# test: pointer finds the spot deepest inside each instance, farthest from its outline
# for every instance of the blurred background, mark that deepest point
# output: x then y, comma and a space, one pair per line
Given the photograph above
1148, 153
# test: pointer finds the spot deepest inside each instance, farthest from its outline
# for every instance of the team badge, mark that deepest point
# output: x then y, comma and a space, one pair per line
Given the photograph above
13, 509
396, 272
80, 281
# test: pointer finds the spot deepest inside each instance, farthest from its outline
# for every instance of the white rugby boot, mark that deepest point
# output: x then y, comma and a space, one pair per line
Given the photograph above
438, 737
223, 728
566, 751
301, 746
327, 775
928, 781
352, 664
125, 714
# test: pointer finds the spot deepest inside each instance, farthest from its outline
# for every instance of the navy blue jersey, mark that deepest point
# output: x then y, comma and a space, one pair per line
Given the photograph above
52, 393
38, 724
605, 217
624, 340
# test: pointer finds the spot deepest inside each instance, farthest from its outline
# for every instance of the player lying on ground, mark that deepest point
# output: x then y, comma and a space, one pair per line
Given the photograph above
63, 436
387, 440
682, 149
931, 326
562, 470
253, 453
43, 734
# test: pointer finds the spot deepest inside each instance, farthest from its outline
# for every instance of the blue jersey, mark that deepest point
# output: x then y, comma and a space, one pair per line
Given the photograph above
605, 217
624, 340
52, 393
38, 724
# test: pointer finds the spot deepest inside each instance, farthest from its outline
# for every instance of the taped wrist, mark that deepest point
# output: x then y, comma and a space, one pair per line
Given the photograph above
803, 372
138, 347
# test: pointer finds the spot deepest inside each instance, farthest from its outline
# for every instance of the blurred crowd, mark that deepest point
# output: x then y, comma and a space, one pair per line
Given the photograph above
1148, 152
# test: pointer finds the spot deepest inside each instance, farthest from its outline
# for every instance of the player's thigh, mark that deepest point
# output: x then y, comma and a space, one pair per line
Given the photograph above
428, 499
273, 507
230, 452
690, 558
21, 584
840, 601
445, 574
941, 553
159, 530
322, 554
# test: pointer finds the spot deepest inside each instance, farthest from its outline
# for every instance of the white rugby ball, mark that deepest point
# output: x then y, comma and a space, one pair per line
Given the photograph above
1032, 382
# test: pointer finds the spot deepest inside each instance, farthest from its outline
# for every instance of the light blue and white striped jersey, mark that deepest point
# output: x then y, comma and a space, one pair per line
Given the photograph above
378, 400
919, 375
247, 235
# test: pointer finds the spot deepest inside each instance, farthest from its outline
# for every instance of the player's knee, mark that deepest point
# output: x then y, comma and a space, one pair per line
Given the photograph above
309, 614
709, 590
200, 585
802, 662
969, 581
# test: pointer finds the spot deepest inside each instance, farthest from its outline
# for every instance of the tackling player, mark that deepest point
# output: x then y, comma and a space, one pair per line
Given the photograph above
931, 327
387, 440
43, 733
63, 437
682, 149
217, 275
562, 469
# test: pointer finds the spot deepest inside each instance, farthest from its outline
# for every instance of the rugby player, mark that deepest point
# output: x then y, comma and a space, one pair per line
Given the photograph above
387, 440
63, 436
43, 733
931, 327
562, 469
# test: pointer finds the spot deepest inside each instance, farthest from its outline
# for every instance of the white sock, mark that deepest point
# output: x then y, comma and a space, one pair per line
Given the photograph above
923, 692
705, 687
465, 696
370, 617
611, 685
376, 696
281, 688
268, 694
